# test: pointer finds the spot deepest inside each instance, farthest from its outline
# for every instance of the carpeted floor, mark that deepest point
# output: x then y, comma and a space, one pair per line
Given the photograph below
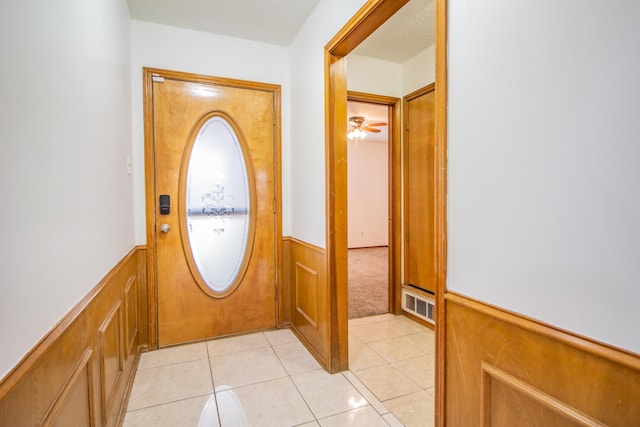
368, 281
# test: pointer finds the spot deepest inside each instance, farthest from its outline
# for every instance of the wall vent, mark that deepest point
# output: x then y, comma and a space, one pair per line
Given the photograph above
418, 305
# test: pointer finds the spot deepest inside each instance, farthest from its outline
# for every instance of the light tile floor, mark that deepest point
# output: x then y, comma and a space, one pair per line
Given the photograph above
270, 379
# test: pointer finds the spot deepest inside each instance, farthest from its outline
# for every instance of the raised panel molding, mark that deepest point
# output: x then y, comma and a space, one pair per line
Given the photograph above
306, 296
50, 387
74, 405
111, 358
503, 369
130, 314
306, 291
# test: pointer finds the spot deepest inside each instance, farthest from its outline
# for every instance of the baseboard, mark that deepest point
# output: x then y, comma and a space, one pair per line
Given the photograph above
506, 369
81, 372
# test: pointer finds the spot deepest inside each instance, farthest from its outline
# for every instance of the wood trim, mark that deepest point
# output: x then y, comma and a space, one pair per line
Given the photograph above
44, 386
509, 369
83, 365
395, 191
151, 208
370, 16
405, 175
440, 212
614, 354
27, 362
130, 334
150, 204
313, 332
108, 395
491, 373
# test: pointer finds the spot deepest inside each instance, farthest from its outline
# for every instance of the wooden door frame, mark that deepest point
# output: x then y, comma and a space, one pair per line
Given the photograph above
394, 190
371, 16
150, 198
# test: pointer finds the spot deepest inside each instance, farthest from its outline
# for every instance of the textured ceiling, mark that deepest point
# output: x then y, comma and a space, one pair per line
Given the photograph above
404, 35
269, 21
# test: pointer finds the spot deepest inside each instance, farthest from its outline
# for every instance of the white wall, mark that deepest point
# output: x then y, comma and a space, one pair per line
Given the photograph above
419, 71
544, 144
307, 117
172, 48
371, 75
65, 127
368, 193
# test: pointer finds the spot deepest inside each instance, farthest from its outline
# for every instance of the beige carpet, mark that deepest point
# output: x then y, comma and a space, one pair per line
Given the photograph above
368, 281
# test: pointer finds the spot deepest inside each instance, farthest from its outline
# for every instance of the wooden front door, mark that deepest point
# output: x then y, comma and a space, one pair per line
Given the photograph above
419, 108
191, 305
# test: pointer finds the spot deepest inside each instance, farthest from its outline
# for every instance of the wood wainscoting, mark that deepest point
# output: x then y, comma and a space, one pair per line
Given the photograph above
81, 372
306, 296
503, 369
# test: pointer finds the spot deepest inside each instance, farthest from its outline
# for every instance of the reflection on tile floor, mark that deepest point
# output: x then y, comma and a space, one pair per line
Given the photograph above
270, 379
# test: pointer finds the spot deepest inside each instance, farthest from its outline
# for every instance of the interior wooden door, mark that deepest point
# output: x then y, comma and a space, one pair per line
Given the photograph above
419, 113
189, 305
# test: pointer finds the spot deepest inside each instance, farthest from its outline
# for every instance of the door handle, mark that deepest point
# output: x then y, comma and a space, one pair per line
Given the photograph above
165, 228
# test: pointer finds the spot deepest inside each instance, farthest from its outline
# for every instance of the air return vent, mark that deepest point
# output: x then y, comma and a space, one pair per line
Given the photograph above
418, 305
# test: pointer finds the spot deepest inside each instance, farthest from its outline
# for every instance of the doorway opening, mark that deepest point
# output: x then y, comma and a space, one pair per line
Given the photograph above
369, 18
373, 197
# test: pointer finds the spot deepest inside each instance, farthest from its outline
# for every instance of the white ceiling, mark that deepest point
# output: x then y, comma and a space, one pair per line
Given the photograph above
278, 21
268, 21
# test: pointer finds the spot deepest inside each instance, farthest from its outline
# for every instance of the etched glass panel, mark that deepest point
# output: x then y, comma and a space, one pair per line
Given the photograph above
217, 204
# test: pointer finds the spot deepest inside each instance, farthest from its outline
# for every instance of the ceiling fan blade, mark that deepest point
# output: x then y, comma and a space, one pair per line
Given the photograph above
377, 124
368, 129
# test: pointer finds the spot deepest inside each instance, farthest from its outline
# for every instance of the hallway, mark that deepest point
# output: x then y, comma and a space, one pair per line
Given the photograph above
270, 379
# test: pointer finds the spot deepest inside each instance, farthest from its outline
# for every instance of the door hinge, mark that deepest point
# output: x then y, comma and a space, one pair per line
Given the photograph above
157, 78
406, 126
273, 116
275, 208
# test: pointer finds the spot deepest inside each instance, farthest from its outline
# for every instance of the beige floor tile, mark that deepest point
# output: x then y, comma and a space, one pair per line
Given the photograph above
373, 332
392, 420
395, 349
311, 424
165, 384
424, 341
354, 339
296, 358
431, 391
362, 357
237, 344
386, 382
171, 355
413, 410
328, 394
421, 370
371, 319
246, 367
402, 325
362, 417
280, 336
366, 393
271, 403
188, 412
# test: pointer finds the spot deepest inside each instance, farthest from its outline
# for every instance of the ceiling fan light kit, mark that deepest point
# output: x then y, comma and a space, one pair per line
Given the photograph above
357, 130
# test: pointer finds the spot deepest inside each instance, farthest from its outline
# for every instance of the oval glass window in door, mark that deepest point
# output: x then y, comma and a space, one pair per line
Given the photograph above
218, 204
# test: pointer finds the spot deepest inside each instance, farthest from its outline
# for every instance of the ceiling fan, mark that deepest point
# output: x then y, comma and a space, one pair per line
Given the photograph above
358, 127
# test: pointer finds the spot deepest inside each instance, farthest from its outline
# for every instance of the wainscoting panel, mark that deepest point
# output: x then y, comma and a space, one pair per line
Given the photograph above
80, 373
306, 303
111, 358
503, 369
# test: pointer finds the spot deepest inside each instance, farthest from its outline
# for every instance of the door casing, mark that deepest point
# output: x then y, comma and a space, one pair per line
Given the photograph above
371, 16
151, 202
